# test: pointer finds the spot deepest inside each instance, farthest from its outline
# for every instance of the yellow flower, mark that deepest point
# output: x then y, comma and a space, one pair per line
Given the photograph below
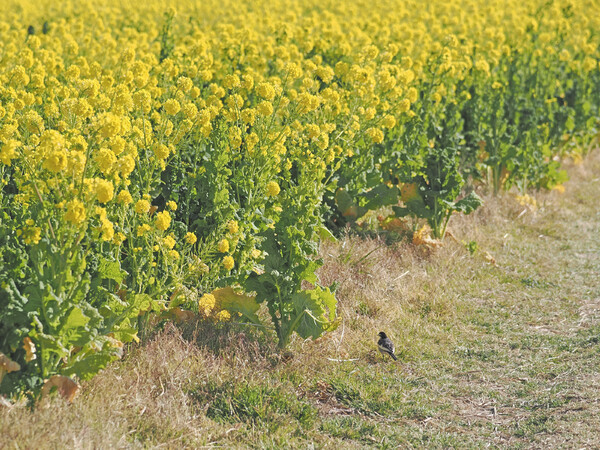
169, 242
125, 165
412, 95
223, 245
247, 81
75, 212
106, 159
163, 220
235, 137
104, 190
223, 316
375, 134
231, 81
248, 115
265, 108
273, 188
404, 106
228, 262
266, 91
142, 206
172, 106
109, 125
190, 238
124, 197
56, 161
389, 121
161, 151
172, 205
107, 229
206, 303
143, 229
233, 226
119, 238
184, 84
31, 235
174, 254
8, 151
190, 110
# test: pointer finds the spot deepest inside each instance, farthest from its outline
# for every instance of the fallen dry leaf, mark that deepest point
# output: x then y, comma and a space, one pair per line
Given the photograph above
422, 237
7, 365
66, 387
182, 315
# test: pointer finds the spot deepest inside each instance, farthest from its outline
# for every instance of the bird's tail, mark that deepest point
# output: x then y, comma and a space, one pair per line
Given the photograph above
393, 356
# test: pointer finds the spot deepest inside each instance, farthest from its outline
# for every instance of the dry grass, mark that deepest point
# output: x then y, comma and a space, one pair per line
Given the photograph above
500, 355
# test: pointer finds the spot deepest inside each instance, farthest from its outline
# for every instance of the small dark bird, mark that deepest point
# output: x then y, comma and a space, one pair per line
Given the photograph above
385, 345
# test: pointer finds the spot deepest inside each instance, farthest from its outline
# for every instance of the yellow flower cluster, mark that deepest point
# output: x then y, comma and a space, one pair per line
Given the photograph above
96, 106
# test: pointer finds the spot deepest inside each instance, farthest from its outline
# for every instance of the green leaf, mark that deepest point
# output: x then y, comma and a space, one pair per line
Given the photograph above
89, 366
570, 124
246, 305
314, 313
325, 235
125, 333
416, 206
468, 204
308, 274
380, 196
75, 319
73, 330
92, 358
49, 344
111, 270
143, 302
400, 211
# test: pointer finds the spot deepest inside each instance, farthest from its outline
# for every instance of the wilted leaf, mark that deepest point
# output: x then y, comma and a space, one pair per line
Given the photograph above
182, 315
7, 365
66, 387
346, 205
30, 350
422, 237
489, 258
408, 192
394, 224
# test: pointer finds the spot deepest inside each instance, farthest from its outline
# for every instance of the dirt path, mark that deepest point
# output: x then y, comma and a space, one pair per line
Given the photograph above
528, 374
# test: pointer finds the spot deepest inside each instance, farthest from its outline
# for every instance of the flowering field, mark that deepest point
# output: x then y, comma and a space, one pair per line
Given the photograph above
169, 163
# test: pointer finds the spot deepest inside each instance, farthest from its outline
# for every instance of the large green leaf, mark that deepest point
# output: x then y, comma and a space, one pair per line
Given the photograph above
73, 330
380, 196
314, 313
111, 270
246, 305
92, 358
325, 234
